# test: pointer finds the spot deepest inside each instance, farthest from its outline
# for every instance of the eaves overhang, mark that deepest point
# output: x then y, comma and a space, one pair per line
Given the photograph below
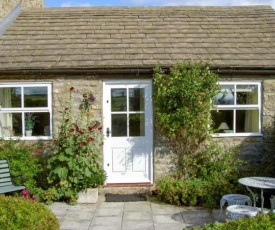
139, 70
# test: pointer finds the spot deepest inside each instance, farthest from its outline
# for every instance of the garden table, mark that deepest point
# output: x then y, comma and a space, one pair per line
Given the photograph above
258, 182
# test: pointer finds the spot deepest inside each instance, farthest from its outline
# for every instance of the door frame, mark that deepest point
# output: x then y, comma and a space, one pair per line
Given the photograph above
151, 132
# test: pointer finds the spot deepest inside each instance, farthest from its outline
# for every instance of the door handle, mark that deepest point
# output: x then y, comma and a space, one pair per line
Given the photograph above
108, 132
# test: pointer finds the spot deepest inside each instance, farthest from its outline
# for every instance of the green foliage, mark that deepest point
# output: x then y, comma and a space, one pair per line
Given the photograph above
75, 164
179, 192
22, 160
213, 173
20, 213
183, 99
260, 222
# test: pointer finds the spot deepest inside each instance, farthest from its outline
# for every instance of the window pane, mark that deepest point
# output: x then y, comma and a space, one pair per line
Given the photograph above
10, 124
136, 98
41, 124
222, 121
226, 96
247, 121
119, 100
247, 94
10, 97
119, 125
35, 96
137, 125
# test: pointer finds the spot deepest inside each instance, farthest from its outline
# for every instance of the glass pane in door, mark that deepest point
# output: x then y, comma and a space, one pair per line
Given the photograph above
136, 99
118, 100
137, 126
119, 125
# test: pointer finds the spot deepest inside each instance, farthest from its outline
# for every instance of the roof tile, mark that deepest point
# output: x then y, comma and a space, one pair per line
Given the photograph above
105, 37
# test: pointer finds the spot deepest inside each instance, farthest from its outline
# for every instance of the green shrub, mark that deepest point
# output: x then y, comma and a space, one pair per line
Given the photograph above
178, 192
260, 222
22, 160
204, 171
20, 213
212, 173
183, 99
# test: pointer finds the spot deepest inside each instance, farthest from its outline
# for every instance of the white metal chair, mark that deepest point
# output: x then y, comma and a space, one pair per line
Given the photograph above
240, 211
233, 199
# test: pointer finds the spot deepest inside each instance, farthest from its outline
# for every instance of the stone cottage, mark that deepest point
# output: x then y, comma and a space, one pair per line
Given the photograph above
111, 52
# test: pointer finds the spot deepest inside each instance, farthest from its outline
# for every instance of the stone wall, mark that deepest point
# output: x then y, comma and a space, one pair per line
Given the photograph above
87, 84
269, 125
258, 152
6, 6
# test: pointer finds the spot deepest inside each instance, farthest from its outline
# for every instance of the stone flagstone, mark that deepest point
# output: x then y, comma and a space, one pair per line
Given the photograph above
130, 215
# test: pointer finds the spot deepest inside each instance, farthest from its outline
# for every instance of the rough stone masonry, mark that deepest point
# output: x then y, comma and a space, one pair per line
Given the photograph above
6, 6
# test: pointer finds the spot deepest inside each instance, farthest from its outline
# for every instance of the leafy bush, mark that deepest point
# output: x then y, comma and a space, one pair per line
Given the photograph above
180, 192
20, 213
213, 173
75, 164
183, 99
22, 160
260, 222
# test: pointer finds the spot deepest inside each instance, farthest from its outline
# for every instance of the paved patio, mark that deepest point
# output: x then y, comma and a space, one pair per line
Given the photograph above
145, 215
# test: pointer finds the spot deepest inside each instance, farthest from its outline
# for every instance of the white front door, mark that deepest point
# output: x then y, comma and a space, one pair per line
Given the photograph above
128, 131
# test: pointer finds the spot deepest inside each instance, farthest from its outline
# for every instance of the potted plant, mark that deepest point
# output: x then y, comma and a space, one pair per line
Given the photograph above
30, 121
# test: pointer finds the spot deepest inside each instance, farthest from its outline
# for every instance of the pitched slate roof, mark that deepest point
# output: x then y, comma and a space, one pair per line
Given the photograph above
118, 37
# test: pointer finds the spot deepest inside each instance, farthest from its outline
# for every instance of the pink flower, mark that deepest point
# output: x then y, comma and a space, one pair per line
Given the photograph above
90, 139
82, 144
26, 193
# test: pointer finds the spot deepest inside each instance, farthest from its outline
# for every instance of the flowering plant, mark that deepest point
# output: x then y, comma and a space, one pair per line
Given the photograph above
76, 163
88, 99
26, 194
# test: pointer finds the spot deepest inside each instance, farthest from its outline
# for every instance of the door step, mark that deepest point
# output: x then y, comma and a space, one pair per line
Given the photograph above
129, 189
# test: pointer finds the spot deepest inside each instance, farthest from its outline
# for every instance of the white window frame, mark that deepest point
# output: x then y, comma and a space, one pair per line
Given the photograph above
31, 110
237, 107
